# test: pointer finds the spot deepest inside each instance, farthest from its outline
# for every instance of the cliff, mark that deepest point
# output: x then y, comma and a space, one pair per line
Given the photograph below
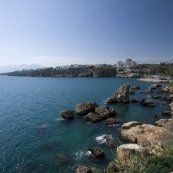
105, 71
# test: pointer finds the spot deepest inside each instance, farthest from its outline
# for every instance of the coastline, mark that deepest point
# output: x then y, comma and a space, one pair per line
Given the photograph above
154, 80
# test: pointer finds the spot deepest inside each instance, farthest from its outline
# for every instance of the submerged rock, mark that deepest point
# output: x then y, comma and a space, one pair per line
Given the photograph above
67, 114
85, 107
121, 95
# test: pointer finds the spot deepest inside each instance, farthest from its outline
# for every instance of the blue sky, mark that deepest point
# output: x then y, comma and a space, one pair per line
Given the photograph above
61, 32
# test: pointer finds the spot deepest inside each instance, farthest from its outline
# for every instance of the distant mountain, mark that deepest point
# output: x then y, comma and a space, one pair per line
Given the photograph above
11, 68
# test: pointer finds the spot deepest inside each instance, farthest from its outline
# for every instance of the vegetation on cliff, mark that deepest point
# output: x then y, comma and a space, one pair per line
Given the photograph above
103, 71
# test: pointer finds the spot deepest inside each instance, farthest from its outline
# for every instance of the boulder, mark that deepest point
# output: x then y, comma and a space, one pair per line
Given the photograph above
82, 169
121, 95
146, 135
93, 117
136, 87
97, 153
112, 112
127, 152
110, 142
67, 114
85, 107
148, 103
103, 111
111, 121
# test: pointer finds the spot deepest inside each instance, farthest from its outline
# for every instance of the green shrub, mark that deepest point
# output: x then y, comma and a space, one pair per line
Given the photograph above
160, 164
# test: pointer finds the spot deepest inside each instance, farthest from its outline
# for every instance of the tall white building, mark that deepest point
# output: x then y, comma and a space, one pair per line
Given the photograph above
120, 64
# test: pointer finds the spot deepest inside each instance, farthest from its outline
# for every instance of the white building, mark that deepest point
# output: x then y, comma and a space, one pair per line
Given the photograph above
120, 64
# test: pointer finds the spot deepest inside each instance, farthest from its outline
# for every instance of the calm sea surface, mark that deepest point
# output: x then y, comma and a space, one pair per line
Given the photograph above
34, 138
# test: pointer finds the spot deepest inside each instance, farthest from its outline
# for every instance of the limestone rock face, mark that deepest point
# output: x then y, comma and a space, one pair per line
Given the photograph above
163, 122
103, 111
127, 152
148, 103
97, 153
121, 95
111, 121
93, 117
67, 114
85, 107
144, 134
82, 169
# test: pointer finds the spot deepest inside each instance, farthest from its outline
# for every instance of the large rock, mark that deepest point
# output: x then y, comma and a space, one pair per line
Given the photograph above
82, 169
121, 95
148, 103
163, 122
97, 153
103, 111
93, 117
67, 114
111, 121
85, 107
127, 152
144, 134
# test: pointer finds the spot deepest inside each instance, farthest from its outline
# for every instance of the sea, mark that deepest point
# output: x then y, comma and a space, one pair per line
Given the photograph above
35, 139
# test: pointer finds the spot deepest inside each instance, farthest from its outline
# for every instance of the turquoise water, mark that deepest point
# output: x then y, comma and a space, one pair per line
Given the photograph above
35, 139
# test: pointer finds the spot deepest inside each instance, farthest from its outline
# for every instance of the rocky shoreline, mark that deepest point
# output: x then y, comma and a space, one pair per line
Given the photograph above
141, 137
155, 80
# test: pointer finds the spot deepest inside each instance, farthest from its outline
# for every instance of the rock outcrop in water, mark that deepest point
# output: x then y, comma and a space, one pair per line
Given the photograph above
85, 108
97, 153
121, 95
82, 169
148, 103
67, 114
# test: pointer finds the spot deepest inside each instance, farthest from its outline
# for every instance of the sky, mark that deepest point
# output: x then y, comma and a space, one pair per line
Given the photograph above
62, 32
